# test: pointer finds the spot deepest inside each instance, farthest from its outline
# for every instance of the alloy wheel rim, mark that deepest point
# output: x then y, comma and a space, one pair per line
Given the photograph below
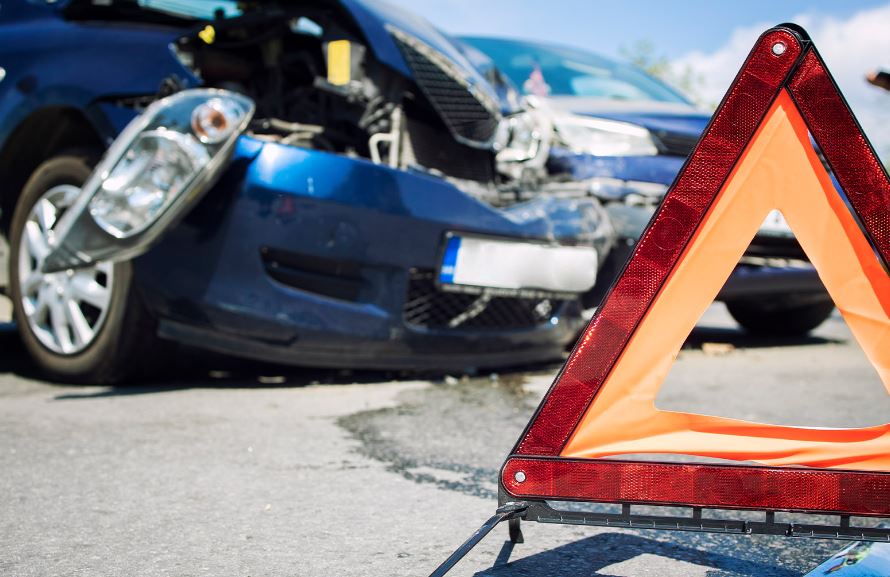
65, 310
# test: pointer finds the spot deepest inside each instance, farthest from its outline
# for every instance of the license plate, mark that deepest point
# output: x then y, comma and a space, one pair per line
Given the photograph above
775, 225
504, 264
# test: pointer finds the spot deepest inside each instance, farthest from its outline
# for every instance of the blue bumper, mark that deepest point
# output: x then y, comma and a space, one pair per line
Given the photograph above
311, 258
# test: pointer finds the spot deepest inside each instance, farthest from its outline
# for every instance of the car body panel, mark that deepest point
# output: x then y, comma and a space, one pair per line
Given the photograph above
670, 116
657, 117
341, 210
860, 559
43, 57
660, 170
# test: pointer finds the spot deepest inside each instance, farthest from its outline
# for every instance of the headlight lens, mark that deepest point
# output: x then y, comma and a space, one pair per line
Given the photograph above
175, 150
154, 171
523, 142
601, 137
522, 136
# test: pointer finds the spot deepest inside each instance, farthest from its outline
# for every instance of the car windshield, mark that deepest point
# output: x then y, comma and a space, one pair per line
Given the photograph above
548, 70
197, 9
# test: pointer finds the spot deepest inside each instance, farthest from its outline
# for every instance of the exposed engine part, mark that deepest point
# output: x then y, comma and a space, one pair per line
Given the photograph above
292, 133
392, 139
316, 85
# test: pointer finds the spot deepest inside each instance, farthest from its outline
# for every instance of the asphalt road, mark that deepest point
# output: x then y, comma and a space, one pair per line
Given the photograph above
251, 470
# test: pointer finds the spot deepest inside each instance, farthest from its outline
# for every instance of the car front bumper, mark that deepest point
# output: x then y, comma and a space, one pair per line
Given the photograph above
311, 258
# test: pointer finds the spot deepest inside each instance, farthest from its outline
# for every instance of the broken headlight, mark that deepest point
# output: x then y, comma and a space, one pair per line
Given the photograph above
523, 142
180, 142
601, 137
153, 173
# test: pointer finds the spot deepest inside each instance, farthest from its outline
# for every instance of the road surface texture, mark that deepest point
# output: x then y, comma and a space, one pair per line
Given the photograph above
251, 470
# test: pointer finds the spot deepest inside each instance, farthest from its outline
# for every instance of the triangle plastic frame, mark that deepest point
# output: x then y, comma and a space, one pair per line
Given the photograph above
783, 71
783, 60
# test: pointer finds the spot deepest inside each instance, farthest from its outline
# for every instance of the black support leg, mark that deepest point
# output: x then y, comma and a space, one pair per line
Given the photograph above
505, 513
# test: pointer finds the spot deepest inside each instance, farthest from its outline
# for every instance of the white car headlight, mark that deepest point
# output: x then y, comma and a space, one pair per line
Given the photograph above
179, 142
601, 137
155, 170
153, 173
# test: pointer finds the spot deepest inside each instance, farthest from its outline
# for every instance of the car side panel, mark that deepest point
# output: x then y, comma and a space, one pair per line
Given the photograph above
51, 62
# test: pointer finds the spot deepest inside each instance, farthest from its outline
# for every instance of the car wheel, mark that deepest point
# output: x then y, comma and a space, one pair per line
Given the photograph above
85, 324
765, 317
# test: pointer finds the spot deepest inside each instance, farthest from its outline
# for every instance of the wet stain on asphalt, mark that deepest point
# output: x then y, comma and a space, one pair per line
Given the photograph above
455, 434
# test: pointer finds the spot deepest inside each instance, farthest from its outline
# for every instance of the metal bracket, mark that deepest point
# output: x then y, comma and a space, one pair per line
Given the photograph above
544, 512
511, 511
516, 530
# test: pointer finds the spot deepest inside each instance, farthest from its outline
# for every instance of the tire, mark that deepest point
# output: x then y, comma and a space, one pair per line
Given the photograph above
118, 335
768, 318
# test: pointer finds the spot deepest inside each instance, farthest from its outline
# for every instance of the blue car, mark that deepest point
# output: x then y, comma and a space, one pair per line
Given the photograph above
628, 134
307, 182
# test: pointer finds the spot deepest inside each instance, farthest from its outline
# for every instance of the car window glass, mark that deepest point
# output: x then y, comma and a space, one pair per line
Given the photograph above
558, 71
203, 10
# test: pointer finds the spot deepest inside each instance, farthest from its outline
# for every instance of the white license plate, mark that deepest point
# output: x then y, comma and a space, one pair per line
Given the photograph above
776, 225
503, 264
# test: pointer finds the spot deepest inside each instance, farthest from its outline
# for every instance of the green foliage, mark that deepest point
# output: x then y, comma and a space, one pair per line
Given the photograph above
644, 55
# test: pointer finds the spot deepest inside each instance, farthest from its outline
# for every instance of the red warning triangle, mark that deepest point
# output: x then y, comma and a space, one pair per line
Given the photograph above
755, 156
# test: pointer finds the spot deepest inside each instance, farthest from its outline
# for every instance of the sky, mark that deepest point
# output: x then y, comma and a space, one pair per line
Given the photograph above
709, 38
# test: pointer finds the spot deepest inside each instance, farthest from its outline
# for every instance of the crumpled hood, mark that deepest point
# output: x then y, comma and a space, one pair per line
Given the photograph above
373, 17
658, 117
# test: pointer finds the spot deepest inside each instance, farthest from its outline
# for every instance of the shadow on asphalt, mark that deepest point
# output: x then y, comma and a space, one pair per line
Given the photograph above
590, 555
194, 369
189, 369
742, 340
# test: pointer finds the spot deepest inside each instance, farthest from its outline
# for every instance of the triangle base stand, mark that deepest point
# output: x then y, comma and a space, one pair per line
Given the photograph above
701, 520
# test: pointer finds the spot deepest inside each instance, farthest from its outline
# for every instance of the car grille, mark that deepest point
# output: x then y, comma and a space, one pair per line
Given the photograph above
674, 143
467, 113
448, 155
428, 307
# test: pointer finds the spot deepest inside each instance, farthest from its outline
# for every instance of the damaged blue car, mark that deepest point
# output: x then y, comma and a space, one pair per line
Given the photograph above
315, 183
627, 134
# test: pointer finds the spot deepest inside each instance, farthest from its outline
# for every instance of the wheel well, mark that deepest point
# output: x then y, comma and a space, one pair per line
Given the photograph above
44, 133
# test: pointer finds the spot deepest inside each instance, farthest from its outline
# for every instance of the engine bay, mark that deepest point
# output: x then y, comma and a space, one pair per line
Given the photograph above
318, 84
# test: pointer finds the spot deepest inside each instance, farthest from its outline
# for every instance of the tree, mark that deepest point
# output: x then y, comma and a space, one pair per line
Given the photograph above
643, 55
